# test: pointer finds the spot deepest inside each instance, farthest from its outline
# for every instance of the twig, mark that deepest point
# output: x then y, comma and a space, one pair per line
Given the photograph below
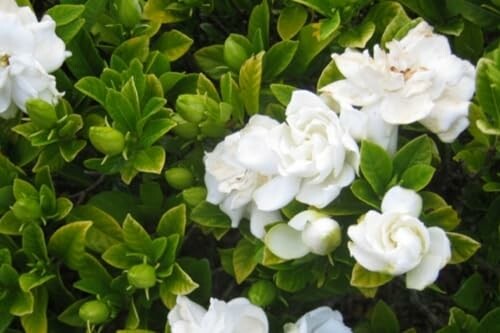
80, 196
415, 300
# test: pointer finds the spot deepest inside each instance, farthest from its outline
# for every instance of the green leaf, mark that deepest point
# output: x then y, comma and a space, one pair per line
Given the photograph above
174, 44
34, 243
470, 296
327, 27
10, 224
363, 278
199, 271
68, 243
246, 256
310, 45
117, 256
444, 217
22, 304
259, 21
376, 166
64, 14
488, 87
490, 322
292, 280
363, 191
210, 59
36, 322
135, 47
29, 281
173, 222
122, 111
155, 130
462, 247
94, 88
324, 7
136, 238
329, 75
209, 215
178, 283
249, 82
282, 92
417, 176
383, 319
460, 320
277, 59
104, 232
69, 149
358, 36
85, 60
417, 151
22, 189
150, 160
290, 21
69, 31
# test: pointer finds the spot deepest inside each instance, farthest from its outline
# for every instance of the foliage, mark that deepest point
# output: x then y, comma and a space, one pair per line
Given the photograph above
103, 211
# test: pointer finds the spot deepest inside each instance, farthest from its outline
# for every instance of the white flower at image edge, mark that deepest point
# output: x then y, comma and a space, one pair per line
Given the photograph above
396, 242
29, 50
235, 316
316, 156
307, 232
320, 320
417, 79
239, 166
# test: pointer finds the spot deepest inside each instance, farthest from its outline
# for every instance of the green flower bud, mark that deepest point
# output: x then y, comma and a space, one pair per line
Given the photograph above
142, 276
129, 12
27, 209
186, 130
213, 130
236, 51
262, 293
43, 114
107, 140
179, 178
192, 107
95, 312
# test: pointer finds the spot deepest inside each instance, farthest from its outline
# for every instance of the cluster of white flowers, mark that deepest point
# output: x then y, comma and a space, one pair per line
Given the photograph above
418, 79
29, 50
397, 242
257, 171
239, 315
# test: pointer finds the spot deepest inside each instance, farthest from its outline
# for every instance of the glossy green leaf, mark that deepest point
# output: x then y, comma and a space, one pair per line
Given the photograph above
246, 256
376, 166
383, 319
290, 21
277, 59
363, 278
462, 247
68, 243
209, 215
150, 160
249, 82
174, 44
178, 283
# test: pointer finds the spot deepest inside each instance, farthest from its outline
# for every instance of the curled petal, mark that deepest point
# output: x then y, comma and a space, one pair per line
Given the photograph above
401, 200
436, 258
285, 242
276, 193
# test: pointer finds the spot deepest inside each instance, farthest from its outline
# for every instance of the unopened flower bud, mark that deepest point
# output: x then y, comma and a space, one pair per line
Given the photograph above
107, 140
322, 236
179, 178
43, 114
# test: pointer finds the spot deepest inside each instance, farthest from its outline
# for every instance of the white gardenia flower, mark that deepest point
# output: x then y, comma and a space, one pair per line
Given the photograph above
237, 168
307, 232
396, 242
417, 79
235, 316
319, 320
317, 157
29, 50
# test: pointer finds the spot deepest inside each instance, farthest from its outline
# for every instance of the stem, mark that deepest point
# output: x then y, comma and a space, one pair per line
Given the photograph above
80, 196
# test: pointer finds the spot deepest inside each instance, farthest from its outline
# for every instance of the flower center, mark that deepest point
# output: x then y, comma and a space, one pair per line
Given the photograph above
4, 60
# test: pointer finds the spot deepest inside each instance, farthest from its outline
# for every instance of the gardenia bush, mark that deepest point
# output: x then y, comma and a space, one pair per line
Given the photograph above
298, 166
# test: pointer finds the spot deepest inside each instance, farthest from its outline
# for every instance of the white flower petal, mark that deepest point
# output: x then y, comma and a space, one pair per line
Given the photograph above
304, 97
321, 320
299, 221
285, 242
401, 200
436, 258
185, 316
259, 219
50, 50
276, 193
397, 110
244, 317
